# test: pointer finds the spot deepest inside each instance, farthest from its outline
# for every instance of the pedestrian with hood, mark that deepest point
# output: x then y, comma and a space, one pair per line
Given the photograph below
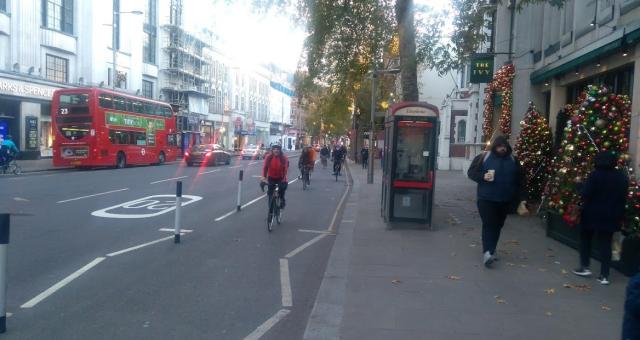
604, 196
500, 188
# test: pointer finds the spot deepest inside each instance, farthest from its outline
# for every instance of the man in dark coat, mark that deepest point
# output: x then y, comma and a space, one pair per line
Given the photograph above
604, 196
500, 182
631, 323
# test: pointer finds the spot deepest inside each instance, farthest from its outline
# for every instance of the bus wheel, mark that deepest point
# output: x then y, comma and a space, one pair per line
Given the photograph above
161, 158
121, 161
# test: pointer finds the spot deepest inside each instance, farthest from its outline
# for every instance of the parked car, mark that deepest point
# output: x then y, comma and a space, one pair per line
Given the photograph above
208, 154
252, 152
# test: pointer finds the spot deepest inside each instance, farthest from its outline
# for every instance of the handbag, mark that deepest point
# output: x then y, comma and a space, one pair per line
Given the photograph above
573, 214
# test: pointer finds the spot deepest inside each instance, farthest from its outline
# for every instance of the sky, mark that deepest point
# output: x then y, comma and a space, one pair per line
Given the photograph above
250, 38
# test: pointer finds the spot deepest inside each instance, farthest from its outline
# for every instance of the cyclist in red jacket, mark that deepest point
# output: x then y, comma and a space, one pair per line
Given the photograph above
274, 172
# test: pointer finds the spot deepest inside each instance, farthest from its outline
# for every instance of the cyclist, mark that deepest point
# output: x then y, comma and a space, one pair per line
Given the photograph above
8, 150
307, 158
338, 156
274, 172
324, 155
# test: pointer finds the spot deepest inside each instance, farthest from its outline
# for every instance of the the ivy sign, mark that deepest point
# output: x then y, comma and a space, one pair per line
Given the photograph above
481, 68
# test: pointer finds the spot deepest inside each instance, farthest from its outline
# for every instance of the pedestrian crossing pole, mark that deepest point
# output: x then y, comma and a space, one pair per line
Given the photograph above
176, 230
4, 243
240, 177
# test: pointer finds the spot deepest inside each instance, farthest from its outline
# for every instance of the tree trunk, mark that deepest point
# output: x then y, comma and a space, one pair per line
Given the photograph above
408, 63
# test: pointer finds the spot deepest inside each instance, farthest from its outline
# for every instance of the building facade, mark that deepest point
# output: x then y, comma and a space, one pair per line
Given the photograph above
51, 44
585, 42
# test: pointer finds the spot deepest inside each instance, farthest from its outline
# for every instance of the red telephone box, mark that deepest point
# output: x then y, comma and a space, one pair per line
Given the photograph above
410, 152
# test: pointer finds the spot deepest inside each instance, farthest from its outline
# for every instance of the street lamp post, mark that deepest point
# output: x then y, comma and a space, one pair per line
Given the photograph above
113, 41
372, 130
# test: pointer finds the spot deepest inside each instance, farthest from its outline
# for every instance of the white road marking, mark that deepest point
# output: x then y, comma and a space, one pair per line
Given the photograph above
62, 283
315, 231
94, 195
150, 206
20, 199
332, 226
302, 247
285, 284
168, 179
256, 176
210, 171
235, 167
253, 201
295, 180
120, 252
347, 221
225, 216
267, 325
172, 230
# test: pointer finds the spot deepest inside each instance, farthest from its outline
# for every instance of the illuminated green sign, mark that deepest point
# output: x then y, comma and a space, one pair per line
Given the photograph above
481, 68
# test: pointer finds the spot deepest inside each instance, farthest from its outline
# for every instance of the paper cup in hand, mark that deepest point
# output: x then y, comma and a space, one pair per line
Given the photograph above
490, 175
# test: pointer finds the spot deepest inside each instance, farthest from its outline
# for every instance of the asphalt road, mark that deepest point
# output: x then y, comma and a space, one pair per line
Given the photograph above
85, 265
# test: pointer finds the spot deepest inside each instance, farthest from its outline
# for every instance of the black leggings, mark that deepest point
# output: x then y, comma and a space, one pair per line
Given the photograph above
604, 241
493, 215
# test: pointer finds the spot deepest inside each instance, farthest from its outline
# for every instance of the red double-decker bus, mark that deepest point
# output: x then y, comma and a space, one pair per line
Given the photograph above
97, 127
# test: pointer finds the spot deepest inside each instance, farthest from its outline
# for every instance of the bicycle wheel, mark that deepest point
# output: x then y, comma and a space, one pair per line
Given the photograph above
16, 169
270, 215
278, 212
304, 180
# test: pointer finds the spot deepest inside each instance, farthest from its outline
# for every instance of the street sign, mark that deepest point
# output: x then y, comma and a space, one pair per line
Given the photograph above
145, 207
481, 68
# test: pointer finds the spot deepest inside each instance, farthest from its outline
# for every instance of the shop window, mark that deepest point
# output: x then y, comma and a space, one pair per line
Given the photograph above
619, 81
57, 69
57, 15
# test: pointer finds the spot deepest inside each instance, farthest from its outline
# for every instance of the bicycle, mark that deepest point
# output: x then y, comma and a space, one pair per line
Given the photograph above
274, 208
306, 177
324, 161
337, 166
12, 167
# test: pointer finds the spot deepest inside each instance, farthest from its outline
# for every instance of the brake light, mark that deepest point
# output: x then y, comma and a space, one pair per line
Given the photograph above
208, 154
186, 154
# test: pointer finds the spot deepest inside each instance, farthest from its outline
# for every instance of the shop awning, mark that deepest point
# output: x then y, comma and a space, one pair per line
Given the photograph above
599, 49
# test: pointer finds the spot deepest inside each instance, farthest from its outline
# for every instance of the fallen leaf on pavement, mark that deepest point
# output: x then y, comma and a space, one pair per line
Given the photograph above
550, 255
501, 301
542, 269
453, 277
548, 313
565, 272
512, 242
566, 285
550, 291
582, 287
524, 266
472, 245
556, 262
395, 282
607, 308
510, 264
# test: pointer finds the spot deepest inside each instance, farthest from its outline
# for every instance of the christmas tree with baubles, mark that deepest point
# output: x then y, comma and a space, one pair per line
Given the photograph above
599, 121
534, 151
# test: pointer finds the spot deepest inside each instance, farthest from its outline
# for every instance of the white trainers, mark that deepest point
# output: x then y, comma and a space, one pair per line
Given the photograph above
582, 271
487, 259
603, 280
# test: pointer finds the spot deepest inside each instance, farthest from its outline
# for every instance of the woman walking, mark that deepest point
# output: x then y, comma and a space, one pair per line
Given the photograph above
604, 197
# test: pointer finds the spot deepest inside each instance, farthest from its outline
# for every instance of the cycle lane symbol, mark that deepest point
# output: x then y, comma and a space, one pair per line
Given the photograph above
145, 207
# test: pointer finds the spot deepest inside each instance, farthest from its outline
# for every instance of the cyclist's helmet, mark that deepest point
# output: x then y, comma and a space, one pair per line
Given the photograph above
276, 146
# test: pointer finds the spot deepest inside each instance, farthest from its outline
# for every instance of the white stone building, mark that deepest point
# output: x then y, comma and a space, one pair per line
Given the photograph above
50, 44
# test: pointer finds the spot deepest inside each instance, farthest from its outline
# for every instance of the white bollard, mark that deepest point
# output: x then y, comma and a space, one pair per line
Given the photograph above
176, 231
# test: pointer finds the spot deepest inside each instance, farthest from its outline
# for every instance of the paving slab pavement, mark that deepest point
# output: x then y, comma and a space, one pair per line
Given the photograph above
383, 283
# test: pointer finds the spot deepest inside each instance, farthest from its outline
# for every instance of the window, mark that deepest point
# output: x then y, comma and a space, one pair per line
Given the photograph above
120, 103
147, 89
149, 48
127, 137
150, 35
106, 101
116, 23
57, 69
461, 131
137, 106
57, 15
3, 5
150, 13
